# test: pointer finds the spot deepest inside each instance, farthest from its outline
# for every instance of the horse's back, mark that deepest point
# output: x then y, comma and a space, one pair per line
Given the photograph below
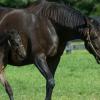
15, 19
4, 10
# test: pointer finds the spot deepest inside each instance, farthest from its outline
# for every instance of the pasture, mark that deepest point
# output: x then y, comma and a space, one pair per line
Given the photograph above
77, 78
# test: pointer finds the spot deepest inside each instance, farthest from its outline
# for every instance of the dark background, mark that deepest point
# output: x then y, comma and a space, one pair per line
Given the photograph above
88, 7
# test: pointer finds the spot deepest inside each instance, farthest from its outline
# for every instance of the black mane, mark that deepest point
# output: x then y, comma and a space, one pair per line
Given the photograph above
63, 14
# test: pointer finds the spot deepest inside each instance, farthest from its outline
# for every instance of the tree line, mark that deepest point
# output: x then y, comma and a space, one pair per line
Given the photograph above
88, 7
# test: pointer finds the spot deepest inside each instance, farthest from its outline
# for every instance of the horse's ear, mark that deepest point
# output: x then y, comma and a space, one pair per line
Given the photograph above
90, 21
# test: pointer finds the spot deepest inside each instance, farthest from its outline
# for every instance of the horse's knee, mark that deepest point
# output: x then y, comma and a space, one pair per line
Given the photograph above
51, 83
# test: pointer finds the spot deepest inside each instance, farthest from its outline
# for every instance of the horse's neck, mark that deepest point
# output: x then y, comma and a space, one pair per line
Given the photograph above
64, 15
66, 34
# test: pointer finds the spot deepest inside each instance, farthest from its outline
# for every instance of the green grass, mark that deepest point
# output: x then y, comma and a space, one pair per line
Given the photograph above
77, 78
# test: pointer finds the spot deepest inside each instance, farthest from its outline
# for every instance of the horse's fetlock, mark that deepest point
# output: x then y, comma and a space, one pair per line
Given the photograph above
51, 82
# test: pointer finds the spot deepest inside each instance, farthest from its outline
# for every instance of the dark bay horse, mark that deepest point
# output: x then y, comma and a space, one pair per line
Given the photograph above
10, 41
46, 33
69, 24
38, 45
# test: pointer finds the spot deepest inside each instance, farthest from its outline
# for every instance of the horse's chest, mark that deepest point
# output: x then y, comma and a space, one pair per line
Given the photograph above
44, 38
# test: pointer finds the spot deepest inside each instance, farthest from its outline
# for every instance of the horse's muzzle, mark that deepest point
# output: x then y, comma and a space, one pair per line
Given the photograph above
21, 53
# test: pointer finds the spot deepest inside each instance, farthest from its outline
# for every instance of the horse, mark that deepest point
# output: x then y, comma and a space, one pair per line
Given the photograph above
71, 18
10, 41
69, 24
16, 44
52, 25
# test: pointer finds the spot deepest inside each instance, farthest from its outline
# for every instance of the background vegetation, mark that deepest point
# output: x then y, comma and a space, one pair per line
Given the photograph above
89, 7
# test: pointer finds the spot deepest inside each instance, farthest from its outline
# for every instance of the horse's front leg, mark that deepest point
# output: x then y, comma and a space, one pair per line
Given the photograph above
40, 61
5, 83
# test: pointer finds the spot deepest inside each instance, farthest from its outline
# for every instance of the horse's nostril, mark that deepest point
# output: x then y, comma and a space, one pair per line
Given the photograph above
23, 52
21, 55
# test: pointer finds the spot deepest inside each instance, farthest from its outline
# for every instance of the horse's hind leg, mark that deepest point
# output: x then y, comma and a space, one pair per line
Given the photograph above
5, 83
40, 61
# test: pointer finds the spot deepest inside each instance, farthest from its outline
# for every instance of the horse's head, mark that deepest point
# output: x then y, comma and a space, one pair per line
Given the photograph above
17, 45
93, 38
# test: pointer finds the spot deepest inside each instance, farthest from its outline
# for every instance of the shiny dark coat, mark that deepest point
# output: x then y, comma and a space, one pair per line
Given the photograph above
46, 32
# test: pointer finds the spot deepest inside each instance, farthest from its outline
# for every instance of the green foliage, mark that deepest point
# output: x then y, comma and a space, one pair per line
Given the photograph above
97, 10
15, 3
88, 7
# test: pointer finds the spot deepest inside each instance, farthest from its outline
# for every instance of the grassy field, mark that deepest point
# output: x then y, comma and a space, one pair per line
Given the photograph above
77, 78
